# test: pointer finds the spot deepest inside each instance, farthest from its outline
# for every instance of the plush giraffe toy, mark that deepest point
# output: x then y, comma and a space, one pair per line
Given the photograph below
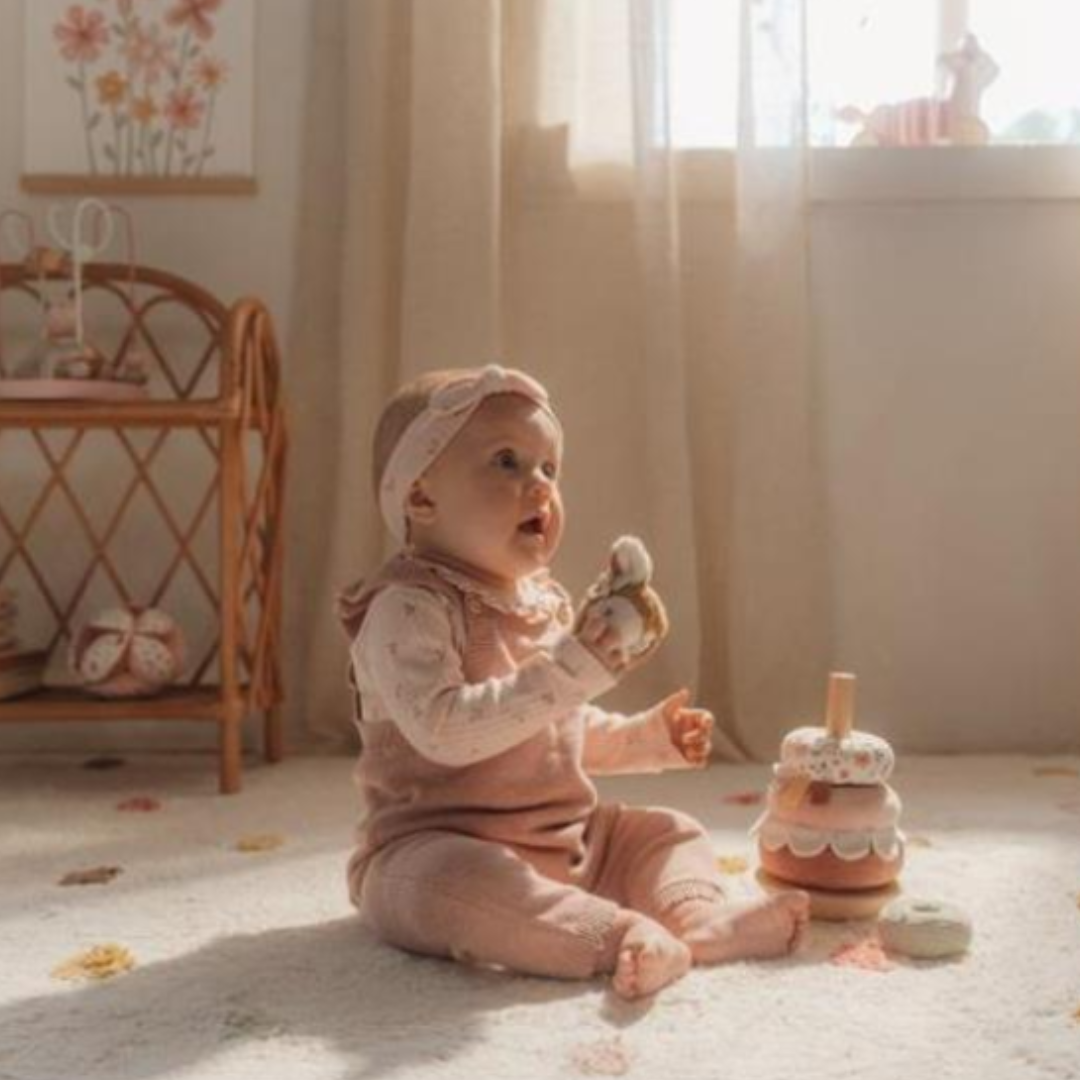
621, 597
952, 120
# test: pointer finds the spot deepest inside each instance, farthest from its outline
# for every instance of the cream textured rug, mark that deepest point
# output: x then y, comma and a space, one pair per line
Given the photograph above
249, 964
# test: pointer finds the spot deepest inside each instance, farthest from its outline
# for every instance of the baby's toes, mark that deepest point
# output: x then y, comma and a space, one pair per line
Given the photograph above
796, 905
650, 958
627, 978
796, 902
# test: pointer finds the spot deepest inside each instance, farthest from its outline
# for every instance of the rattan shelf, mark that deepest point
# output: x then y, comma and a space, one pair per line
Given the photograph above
199, 703
129, 414
223, 401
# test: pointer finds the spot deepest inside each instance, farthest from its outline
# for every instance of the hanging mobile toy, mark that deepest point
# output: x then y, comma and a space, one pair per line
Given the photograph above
64, 363
73, 357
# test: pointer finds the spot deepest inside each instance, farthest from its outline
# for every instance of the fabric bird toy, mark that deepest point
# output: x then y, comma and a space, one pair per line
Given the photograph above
622, 599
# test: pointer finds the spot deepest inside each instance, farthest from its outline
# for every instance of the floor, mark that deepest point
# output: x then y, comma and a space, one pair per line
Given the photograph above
250, 963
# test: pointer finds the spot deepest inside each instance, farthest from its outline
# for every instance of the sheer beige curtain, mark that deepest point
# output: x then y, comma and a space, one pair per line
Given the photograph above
399, 272
779, 601
514, 190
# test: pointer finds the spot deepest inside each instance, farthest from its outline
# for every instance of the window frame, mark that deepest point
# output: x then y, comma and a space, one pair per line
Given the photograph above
903, 175
997, 172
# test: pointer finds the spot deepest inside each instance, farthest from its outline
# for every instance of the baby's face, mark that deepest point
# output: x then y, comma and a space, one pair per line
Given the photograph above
491, 499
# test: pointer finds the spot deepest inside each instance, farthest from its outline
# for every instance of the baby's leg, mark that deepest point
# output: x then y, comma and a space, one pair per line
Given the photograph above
447, 894
669, 871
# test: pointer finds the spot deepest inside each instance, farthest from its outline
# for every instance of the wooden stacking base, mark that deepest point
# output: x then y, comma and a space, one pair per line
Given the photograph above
834, 906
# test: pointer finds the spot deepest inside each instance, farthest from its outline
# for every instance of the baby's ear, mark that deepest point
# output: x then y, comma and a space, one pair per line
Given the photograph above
418, 504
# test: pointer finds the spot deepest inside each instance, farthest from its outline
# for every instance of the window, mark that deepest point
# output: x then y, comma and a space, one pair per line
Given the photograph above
1036, 98
867, 53
704, 72
862, 53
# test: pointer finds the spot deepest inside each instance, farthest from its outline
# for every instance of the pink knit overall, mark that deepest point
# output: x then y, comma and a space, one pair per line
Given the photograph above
509, 860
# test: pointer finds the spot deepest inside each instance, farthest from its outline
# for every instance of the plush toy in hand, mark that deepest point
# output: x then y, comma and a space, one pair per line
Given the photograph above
621, 609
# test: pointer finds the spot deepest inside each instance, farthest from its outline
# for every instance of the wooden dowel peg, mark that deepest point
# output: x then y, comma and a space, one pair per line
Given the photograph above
840, 706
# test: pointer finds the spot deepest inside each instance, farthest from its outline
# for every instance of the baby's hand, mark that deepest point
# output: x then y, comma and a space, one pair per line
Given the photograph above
690, 729
615, 629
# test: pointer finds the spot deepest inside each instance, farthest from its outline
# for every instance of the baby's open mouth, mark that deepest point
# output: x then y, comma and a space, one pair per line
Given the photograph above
534, 526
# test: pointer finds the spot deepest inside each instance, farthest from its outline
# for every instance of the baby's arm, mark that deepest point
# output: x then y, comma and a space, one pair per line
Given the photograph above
405, 651
629, 744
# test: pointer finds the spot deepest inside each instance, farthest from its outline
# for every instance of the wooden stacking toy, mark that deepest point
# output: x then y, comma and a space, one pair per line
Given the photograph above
831, 823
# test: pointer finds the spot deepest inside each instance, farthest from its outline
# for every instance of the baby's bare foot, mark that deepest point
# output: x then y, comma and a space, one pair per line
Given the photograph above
756, 929
649, 958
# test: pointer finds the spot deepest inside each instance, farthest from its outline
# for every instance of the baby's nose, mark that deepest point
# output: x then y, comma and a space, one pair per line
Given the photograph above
540, 482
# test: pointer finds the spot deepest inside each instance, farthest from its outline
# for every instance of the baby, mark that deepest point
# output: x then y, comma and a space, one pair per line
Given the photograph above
484, 839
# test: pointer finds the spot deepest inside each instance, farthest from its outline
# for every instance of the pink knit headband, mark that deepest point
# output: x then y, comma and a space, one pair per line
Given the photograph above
446, 413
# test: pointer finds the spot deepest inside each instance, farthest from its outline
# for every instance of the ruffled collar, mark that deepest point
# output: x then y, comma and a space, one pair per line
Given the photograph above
536, 598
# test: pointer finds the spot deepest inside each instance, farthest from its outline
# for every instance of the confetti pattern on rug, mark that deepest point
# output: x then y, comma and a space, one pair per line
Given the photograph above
97, 875
731, 864
140, 804
104, 763
99, 962
1055, 770
605, 1057
919, 841
867, 954
743, 798
259, 842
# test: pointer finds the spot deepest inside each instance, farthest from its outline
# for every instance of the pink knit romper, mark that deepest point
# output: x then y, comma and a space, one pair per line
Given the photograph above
484, 838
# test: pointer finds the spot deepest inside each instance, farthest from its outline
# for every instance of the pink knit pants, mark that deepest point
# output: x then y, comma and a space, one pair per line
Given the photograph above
454, 895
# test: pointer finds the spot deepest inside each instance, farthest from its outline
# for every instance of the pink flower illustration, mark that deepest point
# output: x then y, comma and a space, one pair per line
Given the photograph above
183, 109
211, 72
149, 54
144, 110
82, 34
194, 15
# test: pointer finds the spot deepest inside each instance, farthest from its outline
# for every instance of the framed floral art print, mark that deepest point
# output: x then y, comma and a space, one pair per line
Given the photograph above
139, 96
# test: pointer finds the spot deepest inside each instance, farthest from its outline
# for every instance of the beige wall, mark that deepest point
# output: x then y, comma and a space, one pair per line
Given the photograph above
949, 351
951, 360
234, 246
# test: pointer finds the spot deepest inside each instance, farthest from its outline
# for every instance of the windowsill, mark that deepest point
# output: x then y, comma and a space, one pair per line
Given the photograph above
945, 174
876, 175
841, 175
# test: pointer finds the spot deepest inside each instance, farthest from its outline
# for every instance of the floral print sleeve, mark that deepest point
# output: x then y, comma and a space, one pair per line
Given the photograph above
405, 654
629, 744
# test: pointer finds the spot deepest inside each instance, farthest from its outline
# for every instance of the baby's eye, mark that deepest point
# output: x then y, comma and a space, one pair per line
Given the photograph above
506, 459
551, 470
